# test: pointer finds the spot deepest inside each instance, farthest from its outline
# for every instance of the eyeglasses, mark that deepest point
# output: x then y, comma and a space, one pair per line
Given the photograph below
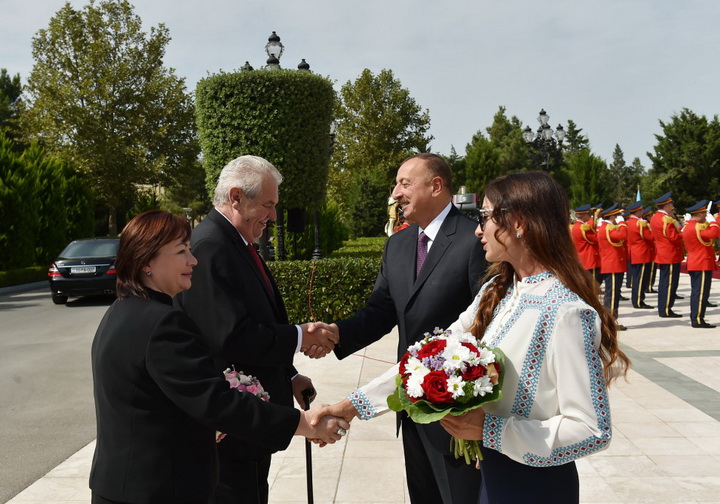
483, 215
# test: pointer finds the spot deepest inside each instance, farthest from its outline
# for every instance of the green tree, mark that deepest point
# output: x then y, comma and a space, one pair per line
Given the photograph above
457, 168
588, 176
503, 151
686, 158
624, 179
10, 94
379, 125
102, 99
574, 139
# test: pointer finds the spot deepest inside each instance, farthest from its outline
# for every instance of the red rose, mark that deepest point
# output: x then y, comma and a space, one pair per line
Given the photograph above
403, 362
472, 373
435, 387
470, 347
432, 348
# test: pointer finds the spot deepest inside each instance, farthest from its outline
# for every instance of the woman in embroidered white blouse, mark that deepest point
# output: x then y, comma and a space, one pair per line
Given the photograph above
541, 308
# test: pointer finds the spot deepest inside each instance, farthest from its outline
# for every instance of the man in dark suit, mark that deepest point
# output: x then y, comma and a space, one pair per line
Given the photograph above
418, 295
236, 303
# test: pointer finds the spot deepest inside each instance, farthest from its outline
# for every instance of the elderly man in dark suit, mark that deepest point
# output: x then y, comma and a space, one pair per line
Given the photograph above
430, 273
236, 304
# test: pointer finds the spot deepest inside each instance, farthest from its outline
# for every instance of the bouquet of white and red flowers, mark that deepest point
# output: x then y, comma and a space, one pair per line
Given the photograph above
242, 383
448, 374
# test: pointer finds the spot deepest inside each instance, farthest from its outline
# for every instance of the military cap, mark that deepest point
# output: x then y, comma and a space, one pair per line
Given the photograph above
598, 206
583, 209
646, 211
699, 207
634, 207
613, 210
664, 199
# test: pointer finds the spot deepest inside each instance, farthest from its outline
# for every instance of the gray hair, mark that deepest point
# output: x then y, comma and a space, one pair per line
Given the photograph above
246, 173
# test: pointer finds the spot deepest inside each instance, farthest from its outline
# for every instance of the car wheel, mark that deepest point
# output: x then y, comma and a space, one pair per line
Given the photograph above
59, 299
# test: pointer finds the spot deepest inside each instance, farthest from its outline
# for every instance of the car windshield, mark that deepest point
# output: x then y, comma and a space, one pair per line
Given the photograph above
90, 248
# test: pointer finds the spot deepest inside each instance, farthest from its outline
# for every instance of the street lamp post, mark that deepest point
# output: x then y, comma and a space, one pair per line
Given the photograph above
274, 50
317, 253
543, 138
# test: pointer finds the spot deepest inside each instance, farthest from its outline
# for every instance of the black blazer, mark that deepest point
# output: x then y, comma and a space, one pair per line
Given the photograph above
159, 400
243, 324
447, 284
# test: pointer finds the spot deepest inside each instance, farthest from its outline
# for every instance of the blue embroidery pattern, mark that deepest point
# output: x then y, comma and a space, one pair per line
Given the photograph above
547, 305
598, 393
492, 432
362, 404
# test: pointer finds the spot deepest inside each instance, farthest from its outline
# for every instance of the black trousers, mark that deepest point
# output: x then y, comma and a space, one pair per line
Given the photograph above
242, 481
613, 282
506, 481
630, 277
700, 282
667, 287
595, 273
641, 280
434, 475
653, 275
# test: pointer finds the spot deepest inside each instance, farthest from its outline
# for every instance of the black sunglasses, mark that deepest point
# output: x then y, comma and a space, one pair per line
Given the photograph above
483, 215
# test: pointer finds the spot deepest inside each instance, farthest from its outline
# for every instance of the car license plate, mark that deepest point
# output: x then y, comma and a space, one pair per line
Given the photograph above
82, 269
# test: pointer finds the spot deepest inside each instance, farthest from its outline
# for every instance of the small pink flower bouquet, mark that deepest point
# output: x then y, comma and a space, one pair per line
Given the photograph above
245, 383
242, 383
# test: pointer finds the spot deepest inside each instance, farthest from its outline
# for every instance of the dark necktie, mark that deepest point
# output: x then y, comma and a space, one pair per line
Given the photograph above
421, 252
259, 264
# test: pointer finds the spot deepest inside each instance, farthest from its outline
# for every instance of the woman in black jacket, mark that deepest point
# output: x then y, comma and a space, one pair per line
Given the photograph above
158, 399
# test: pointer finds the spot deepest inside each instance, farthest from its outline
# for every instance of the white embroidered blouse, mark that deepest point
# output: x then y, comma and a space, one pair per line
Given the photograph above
555, 405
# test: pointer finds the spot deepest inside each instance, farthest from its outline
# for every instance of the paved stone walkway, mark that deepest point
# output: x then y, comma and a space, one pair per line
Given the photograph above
666, 423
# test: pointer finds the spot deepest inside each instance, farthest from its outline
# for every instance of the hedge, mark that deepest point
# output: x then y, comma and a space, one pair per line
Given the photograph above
341, 284
23, 275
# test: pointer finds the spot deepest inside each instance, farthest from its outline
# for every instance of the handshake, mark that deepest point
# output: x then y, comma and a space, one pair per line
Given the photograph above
326, 423
319, 339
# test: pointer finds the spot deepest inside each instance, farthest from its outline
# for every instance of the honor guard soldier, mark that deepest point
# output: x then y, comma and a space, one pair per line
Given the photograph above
613, 261
640, 245
668, 253
699, 237
586, 241
647, 214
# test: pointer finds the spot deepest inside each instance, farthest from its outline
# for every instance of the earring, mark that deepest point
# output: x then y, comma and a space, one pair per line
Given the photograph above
148, 273
518, 235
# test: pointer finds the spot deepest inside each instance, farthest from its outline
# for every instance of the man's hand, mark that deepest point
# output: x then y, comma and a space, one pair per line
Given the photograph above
300, 384
466, 426
319, 339
343, 409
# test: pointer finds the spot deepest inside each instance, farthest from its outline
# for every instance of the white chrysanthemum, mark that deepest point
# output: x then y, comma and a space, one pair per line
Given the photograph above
455, 385
482, 386
414, 385
456, 355
486, 356
415, 367
415, 346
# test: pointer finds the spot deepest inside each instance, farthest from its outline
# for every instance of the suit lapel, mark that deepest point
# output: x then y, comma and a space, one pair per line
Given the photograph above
440, 244
232, 234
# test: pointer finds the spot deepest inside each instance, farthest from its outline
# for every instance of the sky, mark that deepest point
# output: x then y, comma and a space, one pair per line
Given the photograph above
614, 67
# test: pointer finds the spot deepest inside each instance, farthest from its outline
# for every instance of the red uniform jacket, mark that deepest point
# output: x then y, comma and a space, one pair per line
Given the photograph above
640, 241
586, 244
668, 240
611, 238
699, 241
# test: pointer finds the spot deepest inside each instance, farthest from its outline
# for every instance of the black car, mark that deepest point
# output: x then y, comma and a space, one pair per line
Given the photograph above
84, 268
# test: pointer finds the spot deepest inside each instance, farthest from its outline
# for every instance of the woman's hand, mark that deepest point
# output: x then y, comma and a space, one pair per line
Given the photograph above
466, 426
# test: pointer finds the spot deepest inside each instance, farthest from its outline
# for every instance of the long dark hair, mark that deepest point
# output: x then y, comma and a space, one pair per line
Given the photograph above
140, 241
542, 205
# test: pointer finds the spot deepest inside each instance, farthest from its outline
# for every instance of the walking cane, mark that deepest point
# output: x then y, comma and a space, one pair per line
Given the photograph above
307, 394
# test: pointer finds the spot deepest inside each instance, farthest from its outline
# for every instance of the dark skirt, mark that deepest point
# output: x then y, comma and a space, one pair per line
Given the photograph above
508, 482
